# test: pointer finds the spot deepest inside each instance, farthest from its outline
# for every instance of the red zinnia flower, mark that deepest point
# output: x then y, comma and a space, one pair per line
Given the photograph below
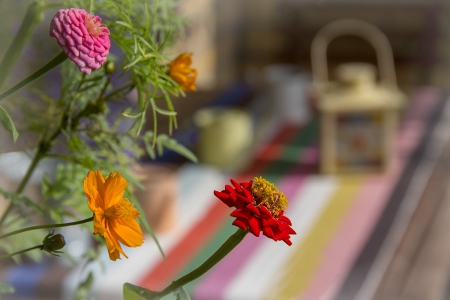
82, 37
259, 207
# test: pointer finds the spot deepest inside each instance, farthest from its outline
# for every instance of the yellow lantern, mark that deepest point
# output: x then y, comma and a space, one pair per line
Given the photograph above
358, 114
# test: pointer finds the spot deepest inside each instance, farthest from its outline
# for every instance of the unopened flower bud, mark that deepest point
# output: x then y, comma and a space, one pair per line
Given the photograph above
53, 243
109, 67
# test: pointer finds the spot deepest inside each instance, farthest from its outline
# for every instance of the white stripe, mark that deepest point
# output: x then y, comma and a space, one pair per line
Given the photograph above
264, 265
416, 188
195, 199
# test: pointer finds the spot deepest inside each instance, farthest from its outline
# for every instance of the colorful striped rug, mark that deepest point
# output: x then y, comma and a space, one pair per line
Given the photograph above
334, 217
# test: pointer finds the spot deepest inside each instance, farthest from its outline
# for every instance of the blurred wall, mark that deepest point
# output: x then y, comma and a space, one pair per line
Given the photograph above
261, 32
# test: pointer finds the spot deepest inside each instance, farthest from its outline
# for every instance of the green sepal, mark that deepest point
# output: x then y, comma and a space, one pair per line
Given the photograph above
134, 292
182, 294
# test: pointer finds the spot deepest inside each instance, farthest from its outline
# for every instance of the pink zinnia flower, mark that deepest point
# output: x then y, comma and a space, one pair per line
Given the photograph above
82, 37
259, 207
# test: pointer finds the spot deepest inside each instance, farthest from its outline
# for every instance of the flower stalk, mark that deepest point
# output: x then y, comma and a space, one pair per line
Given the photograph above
33, 16
223, 251
46, 226
20, 252
52, 244
61, 57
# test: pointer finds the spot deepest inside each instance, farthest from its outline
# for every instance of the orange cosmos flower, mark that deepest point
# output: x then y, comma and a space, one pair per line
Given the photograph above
114, 216
180, 71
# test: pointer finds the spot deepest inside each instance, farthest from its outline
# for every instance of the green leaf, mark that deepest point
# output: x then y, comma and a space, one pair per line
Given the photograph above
8, 124
165, 112
16, 199
133, 62
134, 292
84, 288
143, 221
124, 24
6, 289
149, 149
172, 144
182, 294
87, 163
130, 115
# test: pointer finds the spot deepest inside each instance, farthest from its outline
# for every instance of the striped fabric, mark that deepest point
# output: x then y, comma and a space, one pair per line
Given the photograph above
333, 216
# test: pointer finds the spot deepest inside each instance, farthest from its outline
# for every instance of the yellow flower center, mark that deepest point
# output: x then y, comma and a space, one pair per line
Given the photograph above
93, 27
267, 194
123, 210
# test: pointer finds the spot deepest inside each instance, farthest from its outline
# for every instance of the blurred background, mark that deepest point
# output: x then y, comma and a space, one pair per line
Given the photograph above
367, 180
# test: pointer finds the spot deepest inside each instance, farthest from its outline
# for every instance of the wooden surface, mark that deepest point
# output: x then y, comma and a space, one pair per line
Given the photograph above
420, 268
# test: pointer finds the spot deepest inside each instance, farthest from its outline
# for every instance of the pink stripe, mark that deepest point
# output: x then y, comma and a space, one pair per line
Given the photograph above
217, 280
362, 218
351, 237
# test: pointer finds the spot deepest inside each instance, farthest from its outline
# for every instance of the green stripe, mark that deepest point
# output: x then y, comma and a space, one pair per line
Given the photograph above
291, 152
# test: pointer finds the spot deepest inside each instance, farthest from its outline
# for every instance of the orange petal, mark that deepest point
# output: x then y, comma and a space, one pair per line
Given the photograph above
99, 227
179, 78
115, 186
128, 232
113, 245
94, 188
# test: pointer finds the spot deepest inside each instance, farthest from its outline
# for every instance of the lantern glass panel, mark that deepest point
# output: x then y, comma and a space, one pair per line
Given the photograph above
359, 141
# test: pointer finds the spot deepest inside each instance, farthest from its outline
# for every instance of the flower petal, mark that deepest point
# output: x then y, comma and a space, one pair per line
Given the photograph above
224, 197
94, 188
241, 213
268, 232
128, 232
241, 223
255, 227
236, 185
253, 209
114, 188
113, 246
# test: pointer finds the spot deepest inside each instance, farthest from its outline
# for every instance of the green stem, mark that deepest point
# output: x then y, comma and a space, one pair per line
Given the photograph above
126, 88
229, 245
47, 226
50, 65
24, 181
20, 252
32, 17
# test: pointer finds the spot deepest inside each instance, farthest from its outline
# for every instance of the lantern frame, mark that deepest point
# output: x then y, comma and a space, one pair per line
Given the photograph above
357, 92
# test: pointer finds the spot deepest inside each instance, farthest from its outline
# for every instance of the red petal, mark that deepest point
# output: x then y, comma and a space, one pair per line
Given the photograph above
244, 200
247, 185
265, 211
255, 227
241, 213
285, 219
288, 242
253, 209
268, 222
240, 223
291, 231
225, 198
231, 191
268, 232
248, 194
236, 185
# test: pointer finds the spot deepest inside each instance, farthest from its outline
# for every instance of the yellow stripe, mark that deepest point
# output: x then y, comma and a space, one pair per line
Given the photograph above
300, 268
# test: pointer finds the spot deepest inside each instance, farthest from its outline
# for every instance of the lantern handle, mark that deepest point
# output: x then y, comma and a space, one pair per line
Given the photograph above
358, 28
